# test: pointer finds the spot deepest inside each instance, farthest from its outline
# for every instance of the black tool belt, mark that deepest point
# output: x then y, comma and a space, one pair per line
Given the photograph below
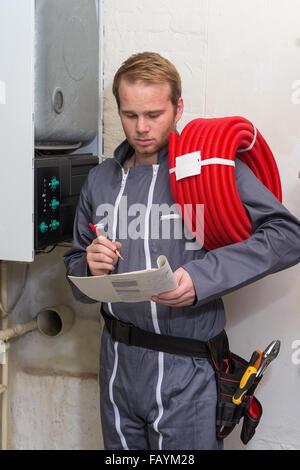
229, 370
134, 336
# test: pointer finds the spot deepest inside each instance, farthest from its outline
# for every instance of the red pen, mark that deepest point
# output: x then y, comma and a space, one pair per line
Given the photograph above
100, 235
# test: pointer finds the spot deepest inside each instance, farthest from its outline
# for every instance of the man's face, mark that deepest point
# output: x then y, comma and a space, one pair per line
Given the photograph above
148, 116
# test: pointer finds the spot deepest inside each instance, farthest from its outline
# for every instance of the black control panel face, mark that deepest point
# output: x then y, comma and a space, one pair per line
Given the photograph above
47, 207
58, 182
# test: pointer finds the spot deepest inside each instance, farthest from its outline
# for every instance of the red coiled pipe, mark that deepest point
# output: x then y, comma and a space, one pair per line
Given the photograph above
225, 220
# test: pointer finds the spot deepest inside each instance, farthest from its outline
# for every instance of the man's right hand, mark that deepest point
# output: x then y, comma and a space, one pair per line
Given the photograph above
101, 256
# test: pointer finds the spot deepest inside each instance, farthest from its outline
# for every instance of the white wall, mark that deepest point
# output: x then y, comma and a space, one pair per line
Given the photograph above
235, 58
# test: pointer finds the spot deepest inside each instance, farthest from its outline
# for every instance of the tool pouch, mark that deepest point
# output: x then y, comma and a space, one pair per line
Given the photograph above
229, 369
252, 415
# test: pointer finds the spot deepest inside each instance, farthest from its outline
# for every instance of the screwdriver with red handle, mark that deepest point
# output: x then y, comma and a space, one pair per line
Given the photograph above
248, 377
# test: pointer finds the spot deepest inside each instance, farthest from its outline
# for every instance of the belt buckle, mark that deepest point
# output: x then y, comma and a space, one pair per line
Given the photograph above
121, 332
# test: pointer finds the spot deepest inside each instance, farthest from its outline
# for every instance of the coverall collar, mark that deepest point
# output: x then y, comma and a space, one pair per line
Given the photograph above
124, 151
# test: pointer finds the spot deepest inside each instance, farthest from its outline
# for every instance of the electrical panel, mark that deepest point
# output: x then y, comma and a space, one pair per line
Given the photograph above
58, 181
49, 107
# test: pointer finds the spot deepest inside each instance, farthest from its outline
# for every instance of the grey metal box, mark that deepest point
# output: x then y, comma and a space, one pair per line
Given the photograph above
66, 73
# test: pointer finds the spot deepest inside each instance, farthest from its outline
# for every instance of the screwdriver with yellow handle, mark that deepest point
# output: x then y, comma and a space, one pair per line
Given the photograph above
248, 377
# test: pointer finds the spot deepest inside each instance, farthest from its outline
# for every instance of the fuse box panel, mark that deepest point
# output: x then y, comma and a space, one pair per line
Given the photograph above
58, 181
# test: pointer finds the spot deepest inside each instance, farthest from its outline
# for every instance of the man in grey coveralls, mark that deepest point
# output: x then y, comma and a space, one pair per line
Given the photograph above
152, 399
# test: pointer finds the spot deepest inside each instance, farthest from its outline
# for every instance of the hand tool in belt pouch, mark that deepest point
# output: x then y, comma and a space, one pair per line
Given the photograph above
269, 354
248, 377
237, 377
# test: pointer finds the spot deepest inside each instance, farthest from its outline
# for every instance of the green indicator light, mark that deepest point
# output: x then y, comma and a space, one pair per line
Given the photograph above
55, 224
54, 183
54, 204
43, 227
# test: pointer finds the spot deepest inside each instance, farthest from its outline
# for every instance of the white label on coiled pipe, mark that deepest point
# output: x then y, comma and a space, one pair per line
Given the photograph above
188, 165
192, 165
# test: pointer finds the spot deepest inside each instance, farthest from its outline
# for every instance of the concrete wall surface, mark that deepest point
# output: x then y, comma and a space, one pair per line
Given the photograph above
53, 381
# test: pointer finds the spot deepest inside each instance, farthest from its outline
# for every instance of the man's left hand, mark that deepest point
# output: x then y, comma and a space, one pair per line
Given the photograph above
182, 296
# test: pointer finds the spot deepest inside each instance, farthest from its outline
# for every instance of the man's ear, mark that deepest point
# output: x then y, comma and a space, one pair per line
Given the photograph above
179, 109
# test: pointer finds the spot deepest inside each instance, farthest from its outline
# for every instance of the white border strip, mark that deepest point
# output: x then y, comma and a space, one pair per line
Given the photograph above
116, 344
154, 310
111, 396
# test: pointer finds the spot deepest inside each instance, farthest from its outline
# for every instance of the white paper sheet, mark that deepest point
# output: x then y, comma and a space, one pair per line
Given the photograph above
135, 286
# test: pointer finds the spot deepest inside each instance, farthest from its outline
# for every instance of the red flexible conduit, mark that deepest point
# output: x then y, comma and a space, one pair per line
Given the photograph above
225, 219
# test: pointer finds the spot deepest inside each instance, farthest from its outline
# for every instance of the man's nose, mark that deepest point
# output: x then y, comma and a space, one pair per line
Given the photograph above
142, 125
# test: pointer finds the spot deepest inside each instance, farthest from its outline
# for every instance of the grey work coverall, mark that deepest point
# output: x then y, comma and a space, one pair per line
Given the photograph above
156, 400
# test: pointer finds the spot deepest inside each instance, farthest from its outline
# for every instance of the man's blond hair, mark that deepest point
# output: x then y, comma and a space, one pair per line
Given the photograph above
149, 67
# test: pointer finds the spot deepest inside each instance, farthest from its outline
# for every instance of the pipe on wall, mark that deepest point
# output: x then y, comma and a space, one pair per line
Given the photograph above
17, 330
51, 321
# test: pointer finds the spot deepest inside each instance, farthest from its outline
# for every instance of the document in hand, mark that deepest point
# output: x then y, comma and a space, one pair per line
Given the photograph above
135, 286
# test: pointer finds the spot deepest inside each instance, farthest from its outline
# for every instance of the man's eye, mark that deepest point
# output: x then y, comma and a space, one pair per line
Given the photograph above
131, 116
153, 116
